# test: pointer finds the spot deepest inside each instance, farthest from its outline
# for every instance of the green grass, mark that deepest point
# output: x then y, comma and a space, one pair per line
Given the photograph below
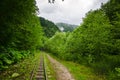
80, 72
23, 68
49, 69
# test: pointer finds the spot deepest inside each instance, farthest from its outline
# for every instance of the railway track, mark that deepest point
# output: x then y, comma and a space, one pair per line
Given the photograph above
41, 72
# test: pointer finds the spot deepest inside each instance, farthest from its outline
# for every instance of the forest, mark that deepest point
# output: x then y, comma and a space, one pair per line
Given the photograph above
20, 31
94, 43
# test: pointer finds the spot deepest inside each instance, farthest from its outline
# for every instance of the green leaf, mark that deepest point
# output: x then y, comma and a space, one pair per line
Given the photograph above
7, 61
4, 67
15, 75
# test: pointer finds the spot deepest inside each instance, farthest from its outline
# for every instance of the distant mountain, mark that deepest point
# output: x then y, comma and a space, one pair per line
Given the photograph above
49, 27
66, 27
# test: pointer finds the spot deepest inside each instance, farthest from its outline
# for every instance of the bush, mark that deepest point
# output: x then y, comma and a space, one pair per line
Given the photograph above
11, 56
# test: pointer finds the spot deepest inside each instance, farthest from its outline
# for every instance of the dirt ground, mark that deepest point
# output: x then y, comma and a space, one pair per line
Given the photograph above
61, 71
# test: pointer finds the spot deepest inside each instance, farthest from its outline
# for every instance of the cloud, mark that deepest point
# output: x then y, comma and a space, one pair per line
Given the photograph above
69, 11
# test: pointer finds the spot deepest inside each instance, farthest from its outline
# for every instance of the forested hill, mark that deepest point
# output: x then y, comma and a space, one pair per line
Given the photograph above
49, 27
66, 27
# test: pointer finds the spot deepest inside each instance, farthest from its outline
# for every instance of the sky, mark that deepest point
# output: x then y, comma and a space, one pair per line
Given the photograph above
67, 11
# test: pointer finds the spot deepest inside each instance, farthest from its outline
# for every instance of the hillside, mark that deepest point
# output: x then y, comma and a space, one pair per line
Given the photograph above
49, 28
66, 27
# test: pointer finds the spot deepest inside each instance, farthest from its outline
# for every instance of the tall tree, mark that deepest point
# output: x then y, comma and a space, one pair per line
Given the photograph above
17, 20
112, 10
20, 30
92, 37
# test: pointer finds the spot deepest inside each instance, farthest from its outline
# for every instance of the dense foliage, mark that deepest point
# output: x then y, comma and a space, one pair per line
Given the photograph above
49, 27
112, 10
55, 43
95, 43
20, 30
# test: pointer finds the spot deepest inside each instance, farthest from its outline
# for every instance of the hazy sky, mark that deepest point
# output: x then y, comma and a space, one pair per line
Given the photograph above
69, 11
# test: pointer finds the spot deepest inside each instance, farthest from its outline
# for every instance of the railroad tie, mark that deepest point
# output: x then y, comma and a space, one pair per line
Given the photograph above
41, 70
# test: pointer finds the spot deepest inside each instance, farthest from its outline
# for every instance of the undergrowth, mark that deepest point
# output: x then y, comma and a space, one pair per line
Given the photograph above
49, 69
23, 69
79, 71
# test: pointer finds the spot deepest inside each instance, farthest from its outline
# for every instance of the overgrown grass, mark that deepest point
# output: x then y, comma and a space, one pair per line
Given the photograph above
22, 68
49, 69
81, 72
